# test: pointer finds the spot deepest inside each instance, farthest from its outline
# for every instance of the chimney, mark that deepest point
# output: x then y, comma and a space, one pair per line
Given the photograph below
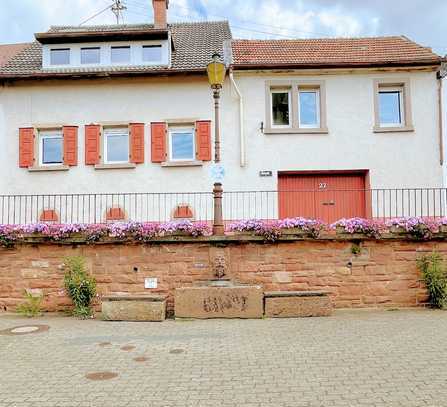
160, 13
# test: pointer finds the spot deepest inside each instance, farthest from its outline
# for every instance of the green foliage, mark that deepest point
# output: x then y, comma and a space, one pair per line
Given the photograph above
80, 286
356, 249
435, 278
32, 306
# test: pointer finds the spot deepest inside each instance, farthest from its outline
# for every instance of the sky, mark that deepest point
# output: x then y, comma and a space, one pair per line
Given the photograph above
420, 20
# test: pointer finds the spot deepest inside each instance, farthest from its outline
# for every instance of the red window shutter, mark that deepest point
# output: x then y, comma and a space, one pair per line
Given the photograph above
92, 137
158, 142
70, 145
136, 143
26, 147
203, 140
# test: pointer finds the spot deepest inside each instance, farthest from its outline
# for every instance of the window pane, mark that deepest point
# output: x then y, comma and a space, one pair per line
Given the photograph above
182, 145
120, 54
309, 108
52, 150
152, 53
60, 56
117, 147
389, 109
90, 55
280, 108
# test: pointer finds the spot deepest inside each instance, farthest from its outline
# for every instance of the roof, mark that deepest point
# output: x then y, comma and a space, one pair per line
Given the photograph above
121, 32
193, 46
331, 52
8, 51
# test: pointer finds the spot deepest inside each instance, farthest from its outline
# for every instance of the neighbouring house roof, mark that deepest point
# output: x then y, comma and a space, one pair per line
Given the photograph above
193, 46
8, 51
331, 52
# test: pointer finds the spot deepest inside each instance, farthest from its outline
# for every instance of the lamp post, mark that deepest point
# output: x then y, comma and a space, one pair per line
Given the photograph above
216, 76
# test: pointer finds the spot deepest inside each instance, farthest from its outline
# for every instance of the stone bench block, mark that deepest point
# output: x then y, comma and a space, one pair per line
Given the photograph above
289, 304
219, 302
134, 307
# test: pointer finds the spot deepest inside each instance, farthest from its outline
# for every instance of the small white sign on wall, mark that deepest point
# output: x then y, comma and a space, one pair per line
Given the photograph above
150, 282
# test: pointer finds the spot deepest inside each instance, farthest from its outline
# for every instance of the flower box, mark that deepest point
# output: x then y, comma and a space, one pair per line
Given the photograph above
296, 232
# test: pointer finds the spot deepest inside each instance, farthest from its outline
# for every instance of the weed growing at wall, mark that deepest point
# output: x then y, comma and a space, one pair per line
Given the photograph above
435, 278
80, 286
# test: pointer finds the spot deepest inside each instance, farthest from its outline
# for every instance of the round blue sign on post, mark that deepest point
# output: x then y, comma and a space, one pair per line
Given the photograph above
217, 173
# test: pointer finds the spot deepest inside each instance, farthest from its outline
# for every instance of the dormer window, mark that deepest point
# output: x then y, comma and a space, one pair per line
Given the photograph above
152, 53
60, 56
91, 55
120, 55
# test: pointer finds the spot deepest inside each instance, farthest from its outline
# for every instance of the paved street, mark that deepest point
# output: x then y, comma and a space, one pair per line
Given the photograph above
355, 358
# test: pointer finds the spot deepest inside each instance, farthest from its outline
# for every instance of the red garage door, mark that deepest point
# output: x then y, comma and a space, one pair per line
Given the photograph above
327, 197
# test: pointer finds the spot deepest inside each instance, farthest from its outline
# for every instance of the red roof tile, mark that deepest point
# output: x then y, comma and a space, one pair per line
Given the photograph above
9, 51
341, 52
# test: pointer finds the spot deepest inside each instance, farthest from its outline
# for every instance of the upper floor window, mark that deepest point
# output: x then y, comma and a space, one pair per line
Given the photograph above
391, 112
295, 107
280, 102
152, 53
181, 144
120, 55
60, 56
116, 145
51, 147
309, 108
91, 55
392, 106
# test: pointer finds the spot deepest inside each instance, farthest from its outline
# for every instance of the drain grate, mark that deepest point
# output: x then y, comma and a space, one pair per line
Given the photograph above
176, 351
97, 376
25, 330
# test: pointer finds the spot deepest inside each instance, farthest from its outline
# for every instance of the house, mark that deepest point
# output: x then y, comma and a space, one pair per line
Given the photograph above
116, 122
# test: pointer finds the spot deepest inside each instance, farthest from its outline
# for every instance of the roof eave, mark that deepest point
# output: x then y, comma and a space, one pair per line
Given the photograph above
98, 75
124, 35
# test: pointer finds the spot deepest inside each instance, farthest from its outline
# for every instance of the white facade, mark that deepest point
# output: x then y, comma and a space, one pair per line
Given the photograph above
393, 159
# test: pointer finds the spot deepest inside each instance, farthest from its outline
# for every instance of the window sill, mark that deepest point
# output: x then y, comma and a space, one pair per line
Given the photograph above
182, 164
297, 131
377, 129
115, 166
49, 168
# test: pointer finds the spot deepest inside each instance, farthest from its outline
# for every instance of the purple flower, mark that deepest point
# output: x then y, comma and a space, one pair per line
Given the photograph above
369, 227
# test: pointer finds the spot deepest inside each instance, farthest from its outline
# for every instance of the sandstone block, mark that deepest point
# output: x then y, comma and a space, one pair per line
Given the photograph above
219, 302
134, 308
284, 304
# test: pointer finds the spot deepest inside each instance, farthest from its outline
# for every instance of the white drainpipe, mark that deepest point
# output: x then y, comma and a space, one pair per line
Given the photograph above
241, 120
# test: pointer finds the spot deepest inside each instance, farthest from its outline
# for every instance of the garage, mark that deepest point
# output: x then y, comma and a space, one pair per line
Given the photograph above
327, 196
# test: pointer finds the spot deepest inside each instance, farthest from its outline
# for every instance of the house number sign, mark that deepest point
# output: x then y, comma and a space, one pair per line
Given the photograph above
322, 185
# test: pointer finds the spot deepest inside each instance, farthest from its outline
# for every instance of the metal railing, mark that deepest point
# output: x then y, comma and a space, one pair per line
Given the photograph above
324, 204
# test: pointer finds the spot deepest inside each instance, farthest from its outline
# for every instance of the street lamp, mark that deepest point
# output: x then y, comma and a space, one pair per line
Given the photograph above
216, 76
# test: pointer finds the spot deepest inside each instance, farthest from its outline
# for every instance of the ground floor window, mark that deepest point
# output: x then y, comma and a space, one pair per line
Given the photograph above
181, 144
116, 145
51, 147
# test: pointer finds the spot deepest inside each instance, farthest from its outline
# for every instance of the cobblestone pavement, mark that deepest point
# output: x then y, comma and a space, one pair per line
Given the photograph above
355, 358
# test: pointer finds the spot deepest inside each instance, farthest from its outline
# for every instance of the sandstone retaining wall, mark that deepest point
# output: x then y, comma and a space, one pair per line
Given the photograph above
383, 274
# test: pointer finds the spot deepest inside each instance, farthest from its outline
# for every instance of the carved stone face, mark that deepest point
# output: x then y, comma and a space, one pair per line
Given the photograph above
219, 266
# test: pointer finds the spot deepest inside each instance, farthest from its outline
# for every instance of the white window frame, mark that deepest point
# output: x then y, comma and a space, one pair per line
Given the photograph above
50, 134
289, 93
60, 49
182, 129
393, 89
114, 132
317, 125
89, 63
129, 62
